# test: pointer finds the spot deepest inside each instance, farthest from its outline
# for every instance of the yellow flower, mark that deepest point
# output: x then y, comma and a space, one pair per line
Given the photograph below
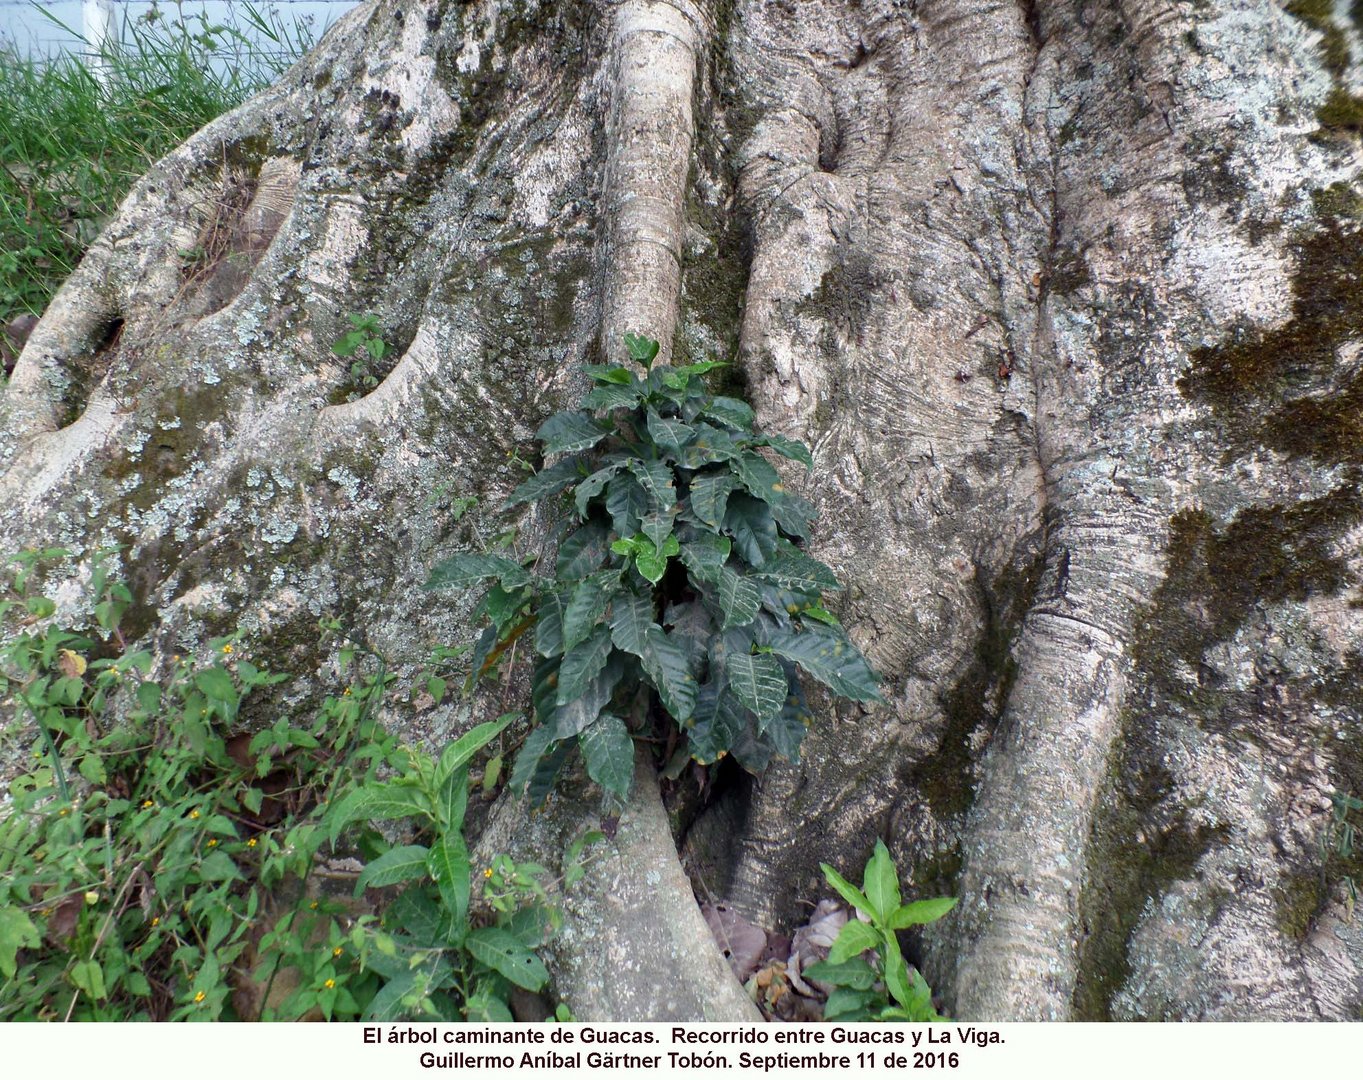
312, 906
346, 693
212, 843
194, 813
251, 842
175, 659
92, 897
156, 920
148, 804
199, 997
227, 649
337, 951
330, 984
63, 812
488, 872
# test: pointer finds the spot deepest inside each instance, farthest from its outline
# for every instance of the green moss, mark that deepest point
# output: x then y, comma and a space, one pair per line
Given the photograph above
1131, 865
1282, 387
1342, 112
1298, 901
1069, 272
1315, 13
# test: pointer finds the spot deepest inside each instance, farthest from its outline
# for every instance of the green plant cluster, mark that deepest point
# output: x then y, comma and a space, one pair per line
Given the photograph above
363, 345
891, 990
72, 143
678, 583
159, 862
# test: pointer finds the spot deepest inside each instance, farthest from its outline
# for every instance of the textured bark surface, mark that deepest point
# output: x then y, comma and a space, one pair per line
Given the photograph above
1063, 295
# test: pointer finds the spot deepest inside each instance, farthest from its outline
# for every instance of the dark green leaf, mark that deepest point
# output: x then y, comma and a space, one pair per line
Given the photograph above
593, 486
758, 682
710, 496
793, 514
573, 716
847, 1004
377, 802
882, 883
706, 555
568, 431
718, 723
642, 350
400, 864
739, 599
609, 753
657, 526
791, 568
731, 412
611, 374
655, 477
626, 502
631, 618
759, 477
216, 684
710, 445
452, 800
581, 664
665, 664
461, 751
669, 434
612, 396
545, 773
497, 949
827, 654
749, 522
788, 448
587, 605
533, 750
549, 628
472, 566
546, 482
582, 552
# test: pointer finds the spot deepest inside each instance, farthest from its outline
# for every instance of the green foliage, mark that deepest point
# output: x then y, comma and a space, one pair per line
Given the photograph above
146, 849
678, 584
890, 990
73, 146
364, 342
1339, 841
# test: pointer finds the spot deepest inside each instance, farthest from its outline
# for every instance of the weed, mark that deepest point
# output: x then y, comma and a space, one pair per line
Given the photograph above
363, 342
891, 990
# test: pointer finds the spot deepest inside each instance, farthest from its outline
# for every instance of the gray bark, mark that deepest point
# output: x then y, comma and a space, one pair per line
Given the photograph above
1060, 293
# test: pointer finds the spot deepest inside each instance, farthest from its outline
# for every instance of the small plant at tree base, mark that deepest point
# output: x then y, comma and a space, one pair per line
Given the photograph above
678, 589
891, 990
365, 343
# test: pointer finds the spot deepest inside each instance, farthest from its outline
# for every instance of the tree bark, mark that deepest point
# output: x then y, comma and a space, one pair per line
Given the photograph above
1062, 295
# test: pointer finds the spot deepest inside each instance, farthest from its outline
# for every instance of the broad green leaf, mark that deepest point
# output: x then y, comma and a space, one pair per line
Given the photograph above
846, 889
591, 487
753, 528
846, 1004
582, 663
706, 555
400, 864
788, 448
854, 939
710, 446
665, 664
546, 482
718, 722
452, 800
882, 883
609, 753
387, 1003
626, 502
827, 654
670, 434
759, 477
549, 627
448, 863
896, 973
587, 605
568, 431
758, 682
739, 599
582, 552
710, 496
791, 568
612, 396
536, 744
499, 950
920, 912
486, 1008
631, 617
657, 526
855, 973
16, 932
699, 368
641, 349
545, 774
217, 865
656, 478
217, 685
610, 374
573, 716
461, 751
793, 514
89, 976
784, 732
731, 412
473, 566
377, 802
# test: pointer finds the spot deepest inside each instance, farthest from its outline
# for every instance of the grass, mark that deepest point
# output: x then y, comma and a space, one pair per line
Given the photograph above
72, 145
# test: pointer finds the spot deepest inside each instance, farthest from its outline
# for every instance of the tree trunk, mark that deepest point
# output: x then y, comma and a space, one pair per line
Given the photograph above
1065, 297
